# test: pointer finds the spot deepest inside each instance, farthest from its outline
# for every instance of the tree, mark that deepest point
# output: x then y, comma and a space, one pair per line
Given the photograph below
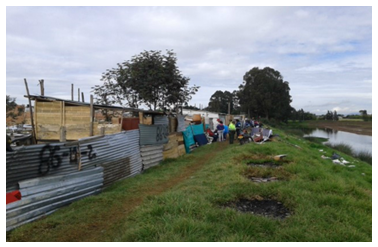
14, 111
264, 93
219, 102
11, 103
150, 78
335, 116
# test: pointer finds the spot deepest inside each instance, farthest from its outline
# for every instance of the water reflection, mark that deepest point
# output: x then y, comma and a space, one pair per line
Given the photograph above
359, 143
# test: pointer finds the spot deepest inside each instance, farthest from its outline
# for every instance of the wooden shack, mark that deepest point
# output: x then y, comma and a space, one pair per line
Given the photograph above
64, 120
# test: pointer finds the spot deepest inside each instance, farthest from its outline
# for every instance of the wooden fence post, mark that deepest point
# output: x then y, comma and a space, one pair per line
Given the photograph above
31, 113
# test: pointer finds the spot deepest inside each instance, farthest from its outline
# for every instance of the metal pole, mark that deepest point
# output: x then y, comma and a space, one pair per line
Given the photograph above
72, 90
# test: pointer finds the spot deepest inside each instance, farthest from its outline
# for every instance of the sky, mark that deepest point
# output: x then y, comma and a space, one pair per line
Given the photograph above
325, 53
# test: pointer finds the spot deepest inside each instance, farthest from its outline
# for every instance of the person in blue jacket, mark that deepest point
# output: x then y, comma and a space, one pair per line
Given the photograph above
225, 132
238, 128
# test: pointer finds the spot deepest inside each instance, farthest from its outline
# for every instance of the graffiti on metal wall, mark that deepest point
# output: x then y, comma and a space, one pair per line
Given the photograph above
50, 157
161, 132
91, 153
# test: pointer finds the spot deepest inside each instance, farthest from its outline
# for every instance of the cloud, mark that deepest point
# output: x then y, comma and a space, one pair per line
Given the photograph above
317, 49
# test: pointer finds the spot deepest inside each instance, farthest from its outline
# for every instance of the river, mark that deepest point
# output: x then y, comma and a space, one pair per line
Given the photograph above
359, 143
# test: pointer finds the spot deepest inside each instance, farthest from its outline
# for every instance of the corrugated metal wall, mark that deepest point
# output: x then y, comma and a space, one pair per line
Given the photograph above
152, 155
50, 176
181, 126
33, 161
161, 120
153, 134
42, 196
102, 160
118, 154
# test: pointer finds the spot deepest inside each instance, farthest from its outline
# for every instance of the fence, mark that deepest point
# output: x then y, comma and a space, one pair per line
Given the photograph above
53, 175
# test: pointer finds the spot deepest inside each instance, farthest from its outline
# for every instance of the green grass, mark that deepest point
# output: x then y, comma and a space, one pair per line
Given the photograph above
183, 200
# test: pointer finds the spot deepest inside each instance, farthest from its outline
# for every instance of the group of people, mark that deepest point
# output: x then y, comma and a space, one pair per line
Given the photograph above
221, 131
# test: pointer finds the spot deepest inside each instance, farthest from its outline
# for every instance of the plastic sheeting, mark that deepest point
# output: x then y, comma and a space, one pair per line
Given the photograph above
201, 139
188, 138
197, 129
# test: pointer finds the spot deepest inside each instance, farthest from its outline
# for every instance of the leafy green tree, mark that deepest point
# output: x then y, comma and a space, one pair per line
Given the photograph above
265, 93
220, 101
151, 78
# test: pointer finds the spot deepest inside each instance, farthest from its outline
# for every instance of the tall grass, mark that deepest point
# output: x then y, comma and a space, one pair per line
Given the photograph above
348, 149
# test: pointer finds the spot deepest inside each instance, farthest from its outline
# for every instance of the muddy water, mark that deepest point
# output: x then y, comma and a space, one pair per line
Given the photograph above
359, 143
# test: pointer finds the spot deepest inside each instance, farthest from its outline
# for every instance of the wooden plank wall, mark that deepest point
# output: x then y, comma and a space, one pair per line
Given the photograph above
51, 117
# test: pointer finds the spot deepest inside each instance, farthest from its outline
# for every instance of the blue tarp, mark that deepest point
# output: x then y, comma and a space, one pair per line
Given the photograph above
197, 129
201, 139
188, 138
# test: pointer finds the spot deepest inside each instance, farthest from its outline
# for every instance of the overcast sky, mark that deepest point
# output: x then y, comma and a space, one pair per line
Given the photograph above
325, 53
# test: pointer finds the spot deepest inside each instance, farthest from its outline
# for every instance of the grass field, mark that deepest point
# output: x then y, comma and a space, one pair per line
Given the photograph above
185, 199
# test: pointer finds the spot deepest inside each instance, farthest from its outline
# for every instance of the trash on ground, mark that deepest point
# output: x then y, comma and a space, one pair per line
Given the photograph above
279, 157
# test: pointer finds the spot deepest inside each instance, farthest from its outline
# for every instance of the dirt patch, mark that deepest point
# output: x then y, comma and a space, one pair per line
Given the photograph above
266, 207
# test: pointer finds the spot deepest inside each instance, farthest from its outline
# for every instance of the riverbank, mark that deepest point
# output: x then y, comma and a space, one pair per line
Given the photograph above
210, 196
356, 127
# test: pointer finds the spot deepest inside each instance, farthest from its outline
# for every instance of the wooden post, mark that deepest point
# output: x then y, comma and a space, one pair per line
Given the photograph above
41, 84
31, 113
82, 97
140, 117
72, 89
120, 128
91, 116
63, 134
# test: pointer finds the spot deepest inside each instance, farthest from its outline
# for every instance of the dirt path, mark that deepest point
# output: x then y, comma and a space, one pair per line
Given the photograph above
105, 226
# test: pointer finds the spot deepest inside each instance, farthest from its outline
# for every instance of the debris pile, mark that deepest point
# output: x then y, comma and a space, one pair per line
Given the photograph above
337, 159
